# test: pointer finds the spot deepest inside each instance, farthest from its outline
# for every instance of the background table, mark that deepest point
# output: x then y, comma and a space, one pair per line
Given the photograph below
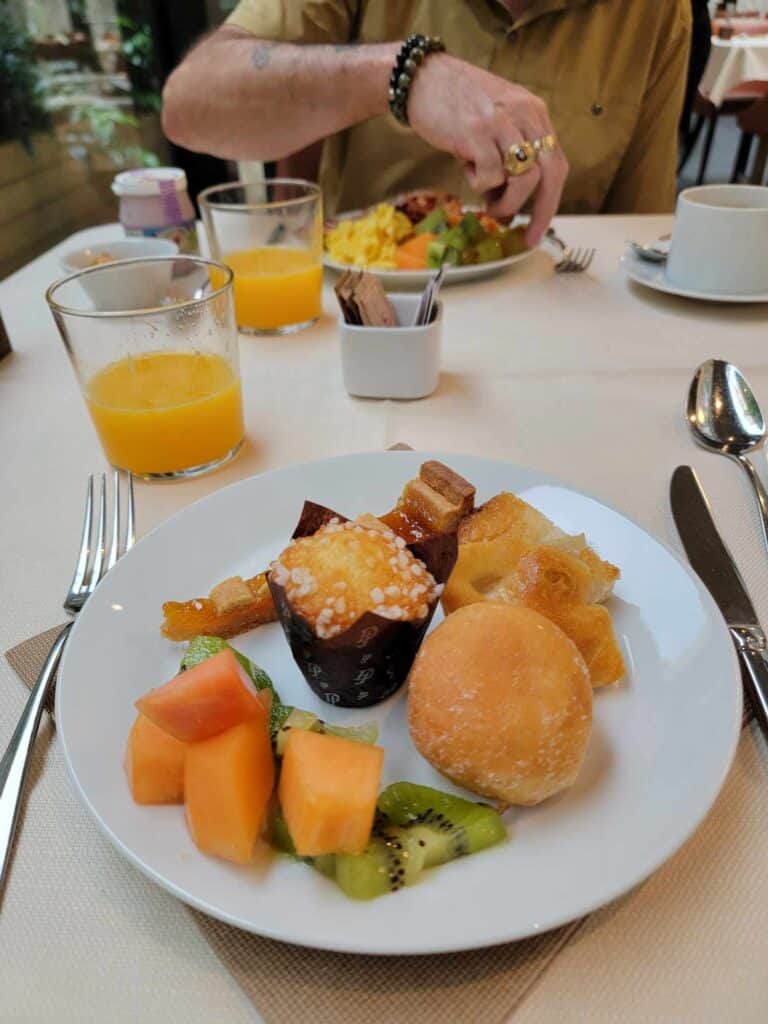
583, 377
733, 61
755, 26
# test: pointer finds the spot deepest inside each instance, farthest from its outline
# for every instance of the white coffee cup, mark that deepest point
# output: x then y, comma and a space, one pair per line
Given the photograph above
720, 240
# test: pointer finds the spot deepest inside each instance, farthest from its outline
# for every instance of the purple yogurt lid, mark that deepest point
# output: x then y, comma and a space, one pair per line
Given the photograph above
150, 181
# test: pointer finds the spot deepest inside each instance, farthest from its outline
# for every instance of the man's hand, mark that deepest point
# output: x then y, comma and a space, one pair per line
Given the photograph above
477, 116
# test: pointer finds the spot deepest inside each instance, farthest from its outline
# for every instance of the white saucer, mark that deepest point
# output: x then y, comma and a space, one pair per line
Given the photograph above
654, 275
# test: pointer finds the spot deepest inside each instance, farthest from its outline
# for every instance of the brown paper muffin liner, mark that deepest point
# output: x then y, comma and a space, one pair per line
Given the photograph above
371, 660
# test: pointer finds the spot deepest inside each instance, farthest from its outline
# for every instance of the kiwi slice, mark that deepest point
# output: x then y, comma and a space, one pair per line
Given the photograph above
445, 826
368, 732
280, 838
416, 827
277, 832
394, 858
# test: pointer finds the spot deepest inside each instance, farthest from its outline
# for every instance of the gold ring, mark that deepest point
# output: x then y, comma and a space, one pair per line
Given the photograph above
520, 158
545, 144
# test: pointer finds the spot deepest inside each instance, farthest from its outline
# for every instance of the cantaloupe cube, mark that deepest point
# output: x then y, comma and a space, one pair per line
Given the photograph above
205, 700
154, 764
328, 791
228, 780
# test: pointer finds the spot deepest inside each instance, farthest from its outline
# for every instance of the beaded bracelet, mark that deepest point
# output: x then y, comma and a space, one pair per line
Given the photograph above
407, 63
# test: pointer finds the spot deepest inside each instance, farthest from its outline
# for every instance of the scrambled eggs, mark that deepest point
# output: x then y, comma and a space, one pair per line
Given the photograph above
371, 240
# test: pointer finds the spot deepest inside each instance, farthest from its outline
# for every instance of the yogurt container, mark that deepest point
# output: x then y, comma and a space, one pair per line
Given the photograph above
154, 202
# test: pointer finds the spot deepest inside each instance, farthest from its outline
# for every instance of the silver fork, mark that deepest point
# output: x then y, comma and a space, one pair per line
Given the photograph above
572, 261
575, 261
93, 563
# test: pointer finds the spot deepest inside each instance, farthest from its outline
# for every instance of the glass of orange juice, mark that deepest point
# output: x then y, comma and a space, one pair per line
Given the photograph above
270, 233
154, 344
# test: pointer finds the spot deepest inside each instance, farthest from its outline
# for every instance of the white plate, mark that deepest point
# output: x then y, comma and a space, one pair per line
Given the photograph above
418, 278
661, 746
654, 275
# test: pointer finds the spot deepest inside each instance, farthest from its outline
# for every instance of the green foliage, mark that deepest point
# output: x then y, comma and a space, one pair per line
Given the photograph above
100, 126
139, 55
21, 105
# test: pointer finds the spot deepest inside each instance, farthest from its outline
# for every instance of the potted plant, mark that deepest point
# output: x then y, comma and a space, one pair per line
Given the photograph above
21, 104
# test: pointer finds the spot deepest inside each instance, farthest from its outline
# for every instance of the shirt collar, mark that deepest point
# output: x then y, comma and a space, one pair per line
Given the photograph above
537, 8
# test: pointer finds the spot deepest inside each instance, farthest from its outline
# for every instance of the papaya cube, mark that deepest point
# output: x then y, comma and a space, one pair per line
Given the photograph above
328, 791
154, 764
205, 700
228, 780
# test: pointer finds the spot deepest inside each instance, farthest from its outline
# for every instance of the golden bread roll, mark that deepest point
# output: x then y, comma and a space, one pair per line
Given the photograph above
500, 702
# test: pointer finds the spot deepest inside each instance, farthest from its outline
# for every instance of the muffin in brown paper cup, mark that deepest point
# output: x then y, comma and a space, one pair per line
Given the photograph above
371, 659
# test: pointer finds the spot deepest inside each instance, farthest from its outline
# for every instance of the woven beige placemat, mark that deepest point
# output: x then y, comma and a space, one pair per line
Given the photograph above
293, 985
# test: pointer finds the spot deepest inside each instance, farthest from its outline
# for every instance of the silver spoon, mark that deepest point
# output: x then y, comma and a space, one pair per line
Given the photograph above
648, 252
724, 417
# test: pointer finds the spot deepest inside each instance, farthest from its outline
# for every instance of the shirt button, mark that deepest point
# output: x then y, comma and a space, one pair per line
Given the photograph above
596, 109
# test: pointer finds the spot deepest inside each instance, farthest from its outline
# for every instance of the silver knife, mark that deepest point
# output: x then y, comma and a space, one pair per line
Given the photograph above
715, 566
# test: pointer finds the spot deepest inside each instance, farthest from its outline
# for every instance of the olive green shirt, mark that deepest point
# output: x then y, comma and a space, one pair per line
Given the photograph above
612, 73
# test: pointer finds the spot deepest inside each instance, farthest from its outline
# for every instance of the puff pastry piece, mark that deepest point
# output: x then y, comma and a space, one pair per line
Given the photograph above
510, 552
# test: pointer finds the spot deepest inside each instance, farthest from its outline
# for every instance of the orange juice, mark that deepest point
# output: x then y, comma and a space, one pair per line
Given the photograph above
274, 287
163, 412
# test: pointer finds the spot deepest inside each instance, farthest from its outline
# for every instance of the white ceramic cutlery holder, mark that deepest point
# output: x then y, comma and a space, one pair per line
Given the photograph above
393, 362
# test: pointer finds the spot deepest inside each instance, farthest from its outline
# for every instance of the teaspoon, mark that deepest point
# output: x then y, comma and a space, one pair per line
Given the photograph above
724, 417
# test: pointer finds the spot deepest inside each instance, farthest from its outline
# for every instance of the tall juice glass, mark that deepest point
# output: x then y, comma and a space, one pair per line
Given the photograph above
270, 233
154, 346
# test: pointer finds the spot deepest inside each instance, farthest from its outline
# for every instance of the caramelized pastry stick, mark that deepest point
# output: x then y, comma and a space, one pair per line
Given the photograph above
232, 614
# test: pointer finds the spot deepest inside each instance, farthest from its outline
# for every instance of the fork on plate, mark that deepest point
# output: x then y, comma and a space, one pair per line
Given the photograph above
97, 556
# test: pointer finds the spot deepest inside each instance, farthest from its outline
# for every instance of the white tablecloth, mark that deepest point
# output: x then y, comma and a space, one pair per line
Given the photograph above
733, 61
583, 377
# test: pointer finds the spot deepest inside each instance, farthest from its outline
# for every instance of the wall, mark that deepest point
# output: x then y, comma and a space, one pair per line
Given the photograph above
43, 198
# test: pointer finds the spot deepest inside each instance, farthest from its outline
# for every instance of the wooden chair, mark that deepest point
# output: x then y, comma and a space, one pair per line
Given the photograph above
735, 102
754, 124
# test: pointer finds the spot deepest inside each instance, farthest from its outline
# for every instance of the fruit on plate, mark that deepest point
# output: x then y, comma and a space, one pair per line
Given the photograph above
215, 695
448, 826
328, 789
457, 238
228, 780
423, 230
154, 764
393, 858
412, 255
500, 702
416, 827
367, 732
201, 648
232, 606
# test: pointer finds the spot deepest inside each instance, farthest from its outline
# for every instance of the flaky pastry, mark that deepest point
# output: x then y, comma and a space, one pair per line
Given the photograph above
510, 552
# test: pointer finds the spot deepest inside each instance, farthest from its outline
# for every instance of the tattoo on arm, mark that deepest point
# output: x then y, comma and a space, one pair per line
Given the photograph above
262, 51
262, 54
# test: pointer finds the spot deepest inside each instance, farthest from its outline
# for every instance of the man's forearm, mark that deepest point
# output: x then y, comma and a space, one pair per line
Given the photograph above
244, 98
